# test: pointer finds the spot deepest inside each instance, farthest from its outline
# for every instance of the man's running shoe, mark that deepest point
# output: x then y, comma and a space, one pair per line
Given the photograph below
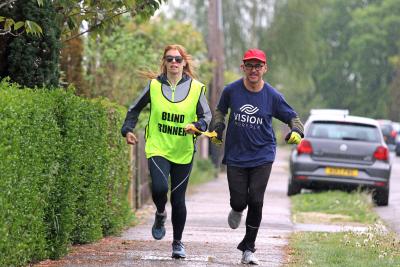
234, 219
178, 250
249, 258
158, 229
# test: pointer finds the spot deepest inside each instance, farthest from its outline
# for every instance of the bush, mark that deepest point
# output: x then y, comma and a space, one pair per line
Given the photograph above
29, 166
64, 172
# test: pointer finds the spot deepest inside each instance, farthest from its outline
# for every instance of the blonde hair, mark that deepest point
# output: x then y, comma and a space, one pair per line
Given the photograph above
188, 69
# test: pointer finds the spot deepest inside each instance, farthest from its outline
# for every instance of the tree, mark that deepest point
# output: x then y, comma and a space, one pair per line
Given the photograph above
394, 92
100, 14
216, 56
375, 41
242, 24
12, 27
360, 38
71, 65
114, 62
66, 19
291, 43
32, 60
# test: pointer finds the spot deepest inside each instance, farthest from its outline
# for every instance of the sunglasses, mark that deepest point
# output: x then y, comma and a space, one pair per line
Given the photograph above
257, 66
178, 59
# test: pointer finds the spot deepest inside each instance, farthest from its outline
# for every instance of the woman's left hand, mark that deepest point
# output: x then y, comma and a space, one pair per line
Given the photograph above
190, 129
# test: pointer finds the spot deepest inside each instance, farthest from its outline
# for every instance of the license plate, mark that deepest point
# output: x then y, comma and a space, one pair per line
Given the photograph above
341, 171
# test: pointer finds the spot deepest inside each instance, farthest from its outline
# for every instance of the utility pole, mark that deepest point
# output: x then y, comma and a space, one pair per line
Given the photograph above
216, 56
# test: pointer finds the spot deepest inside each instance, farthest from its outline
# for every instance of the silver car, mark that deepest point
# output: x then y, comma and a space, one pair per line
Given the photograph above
340, 151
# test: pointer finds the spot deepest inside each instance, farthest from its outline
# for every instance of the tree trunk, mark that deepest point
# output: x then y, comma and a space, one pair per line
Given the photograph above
215, 55
71, 65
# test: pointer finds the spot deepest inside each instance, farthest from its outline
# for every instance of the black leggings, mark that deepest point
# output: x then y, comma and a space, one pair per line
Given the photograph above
247, 187
160, 169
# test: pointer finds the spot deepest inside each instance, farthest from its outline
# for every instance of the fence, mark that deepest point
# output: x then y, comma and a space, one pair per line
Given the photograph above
139, 191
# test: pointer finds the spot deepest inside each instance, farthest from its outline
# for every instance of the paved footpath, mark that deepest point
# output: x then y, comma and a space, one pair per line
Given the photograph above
207, 237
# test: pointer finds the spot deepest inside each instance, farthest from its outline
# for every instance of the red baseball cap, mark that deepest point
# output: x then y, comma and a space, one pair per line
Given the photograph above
255, 54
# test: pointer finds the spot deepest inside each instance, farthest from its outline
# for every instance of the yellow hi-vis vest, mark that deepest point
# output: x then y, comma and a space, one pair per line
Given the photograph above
165, 135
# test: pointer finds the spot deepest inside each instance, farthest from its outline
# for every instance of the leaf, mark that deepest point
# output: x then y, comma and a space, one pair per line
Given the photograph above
32, 27
71, 23
9, 22
2, 18
18, 25
129, 3
28, 26
40, 2
36, 28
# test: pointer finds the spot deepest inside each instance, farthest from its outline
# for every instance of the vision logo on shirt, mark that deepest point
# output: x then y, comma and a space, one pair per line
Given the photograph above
247, 119
248, 109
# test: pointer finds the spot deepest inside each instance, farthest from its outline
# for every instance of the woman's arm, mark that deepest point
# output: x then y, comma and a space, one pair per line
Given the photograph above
203, 113
134, 111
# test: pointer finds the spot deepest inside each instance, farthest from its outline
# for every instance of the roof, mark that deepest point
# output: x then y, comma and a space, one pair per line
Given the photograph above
383, 121
342, 118
329, 111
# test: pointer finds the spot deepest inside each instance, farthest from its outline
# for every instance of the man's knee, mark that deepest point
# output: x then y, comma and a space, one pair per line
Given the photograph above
238, 205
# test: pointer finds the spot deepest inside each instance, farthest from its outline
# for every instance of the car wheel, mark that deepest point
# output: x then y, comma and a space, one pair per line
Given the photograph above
293, 188
381, 197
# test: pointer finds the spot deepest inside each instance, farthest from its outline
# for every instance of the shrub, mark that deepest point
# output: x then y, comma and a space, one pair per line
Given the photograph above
29, 149
64, 172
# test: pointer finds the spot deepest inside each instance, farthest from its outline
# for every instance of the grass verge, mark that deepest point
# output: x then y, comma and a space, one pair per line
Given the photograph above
376, 247
203, 171
333, 207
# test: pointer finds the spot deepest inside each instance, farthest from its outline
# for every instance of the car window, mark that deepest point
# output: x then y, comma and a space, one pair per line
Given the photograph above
343, 131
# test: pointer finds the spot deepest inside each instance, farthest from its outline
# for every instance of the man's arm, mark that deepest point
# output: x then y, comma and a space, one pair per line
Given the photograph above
295, 124
218, 121
296, 133
285, 113
218, 125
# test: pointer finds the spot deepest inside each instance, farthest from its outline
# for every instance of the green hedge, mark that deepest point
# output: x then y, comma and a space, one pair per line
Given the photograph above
63, 172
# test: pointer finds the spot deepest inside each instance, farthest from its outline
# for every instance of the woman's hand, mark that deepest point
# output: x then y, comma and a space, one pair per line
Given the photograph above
131, 139
190, 129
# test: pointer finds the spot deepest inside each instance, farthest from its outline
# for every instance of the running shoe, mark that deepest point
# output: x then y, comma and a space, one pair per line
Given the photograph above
178, 250
158, 229
234, 219
249, 258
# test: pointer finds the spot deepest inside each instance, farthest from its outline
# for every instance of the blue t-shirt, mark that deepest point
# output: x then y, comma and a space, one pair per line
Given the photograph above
250, 139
